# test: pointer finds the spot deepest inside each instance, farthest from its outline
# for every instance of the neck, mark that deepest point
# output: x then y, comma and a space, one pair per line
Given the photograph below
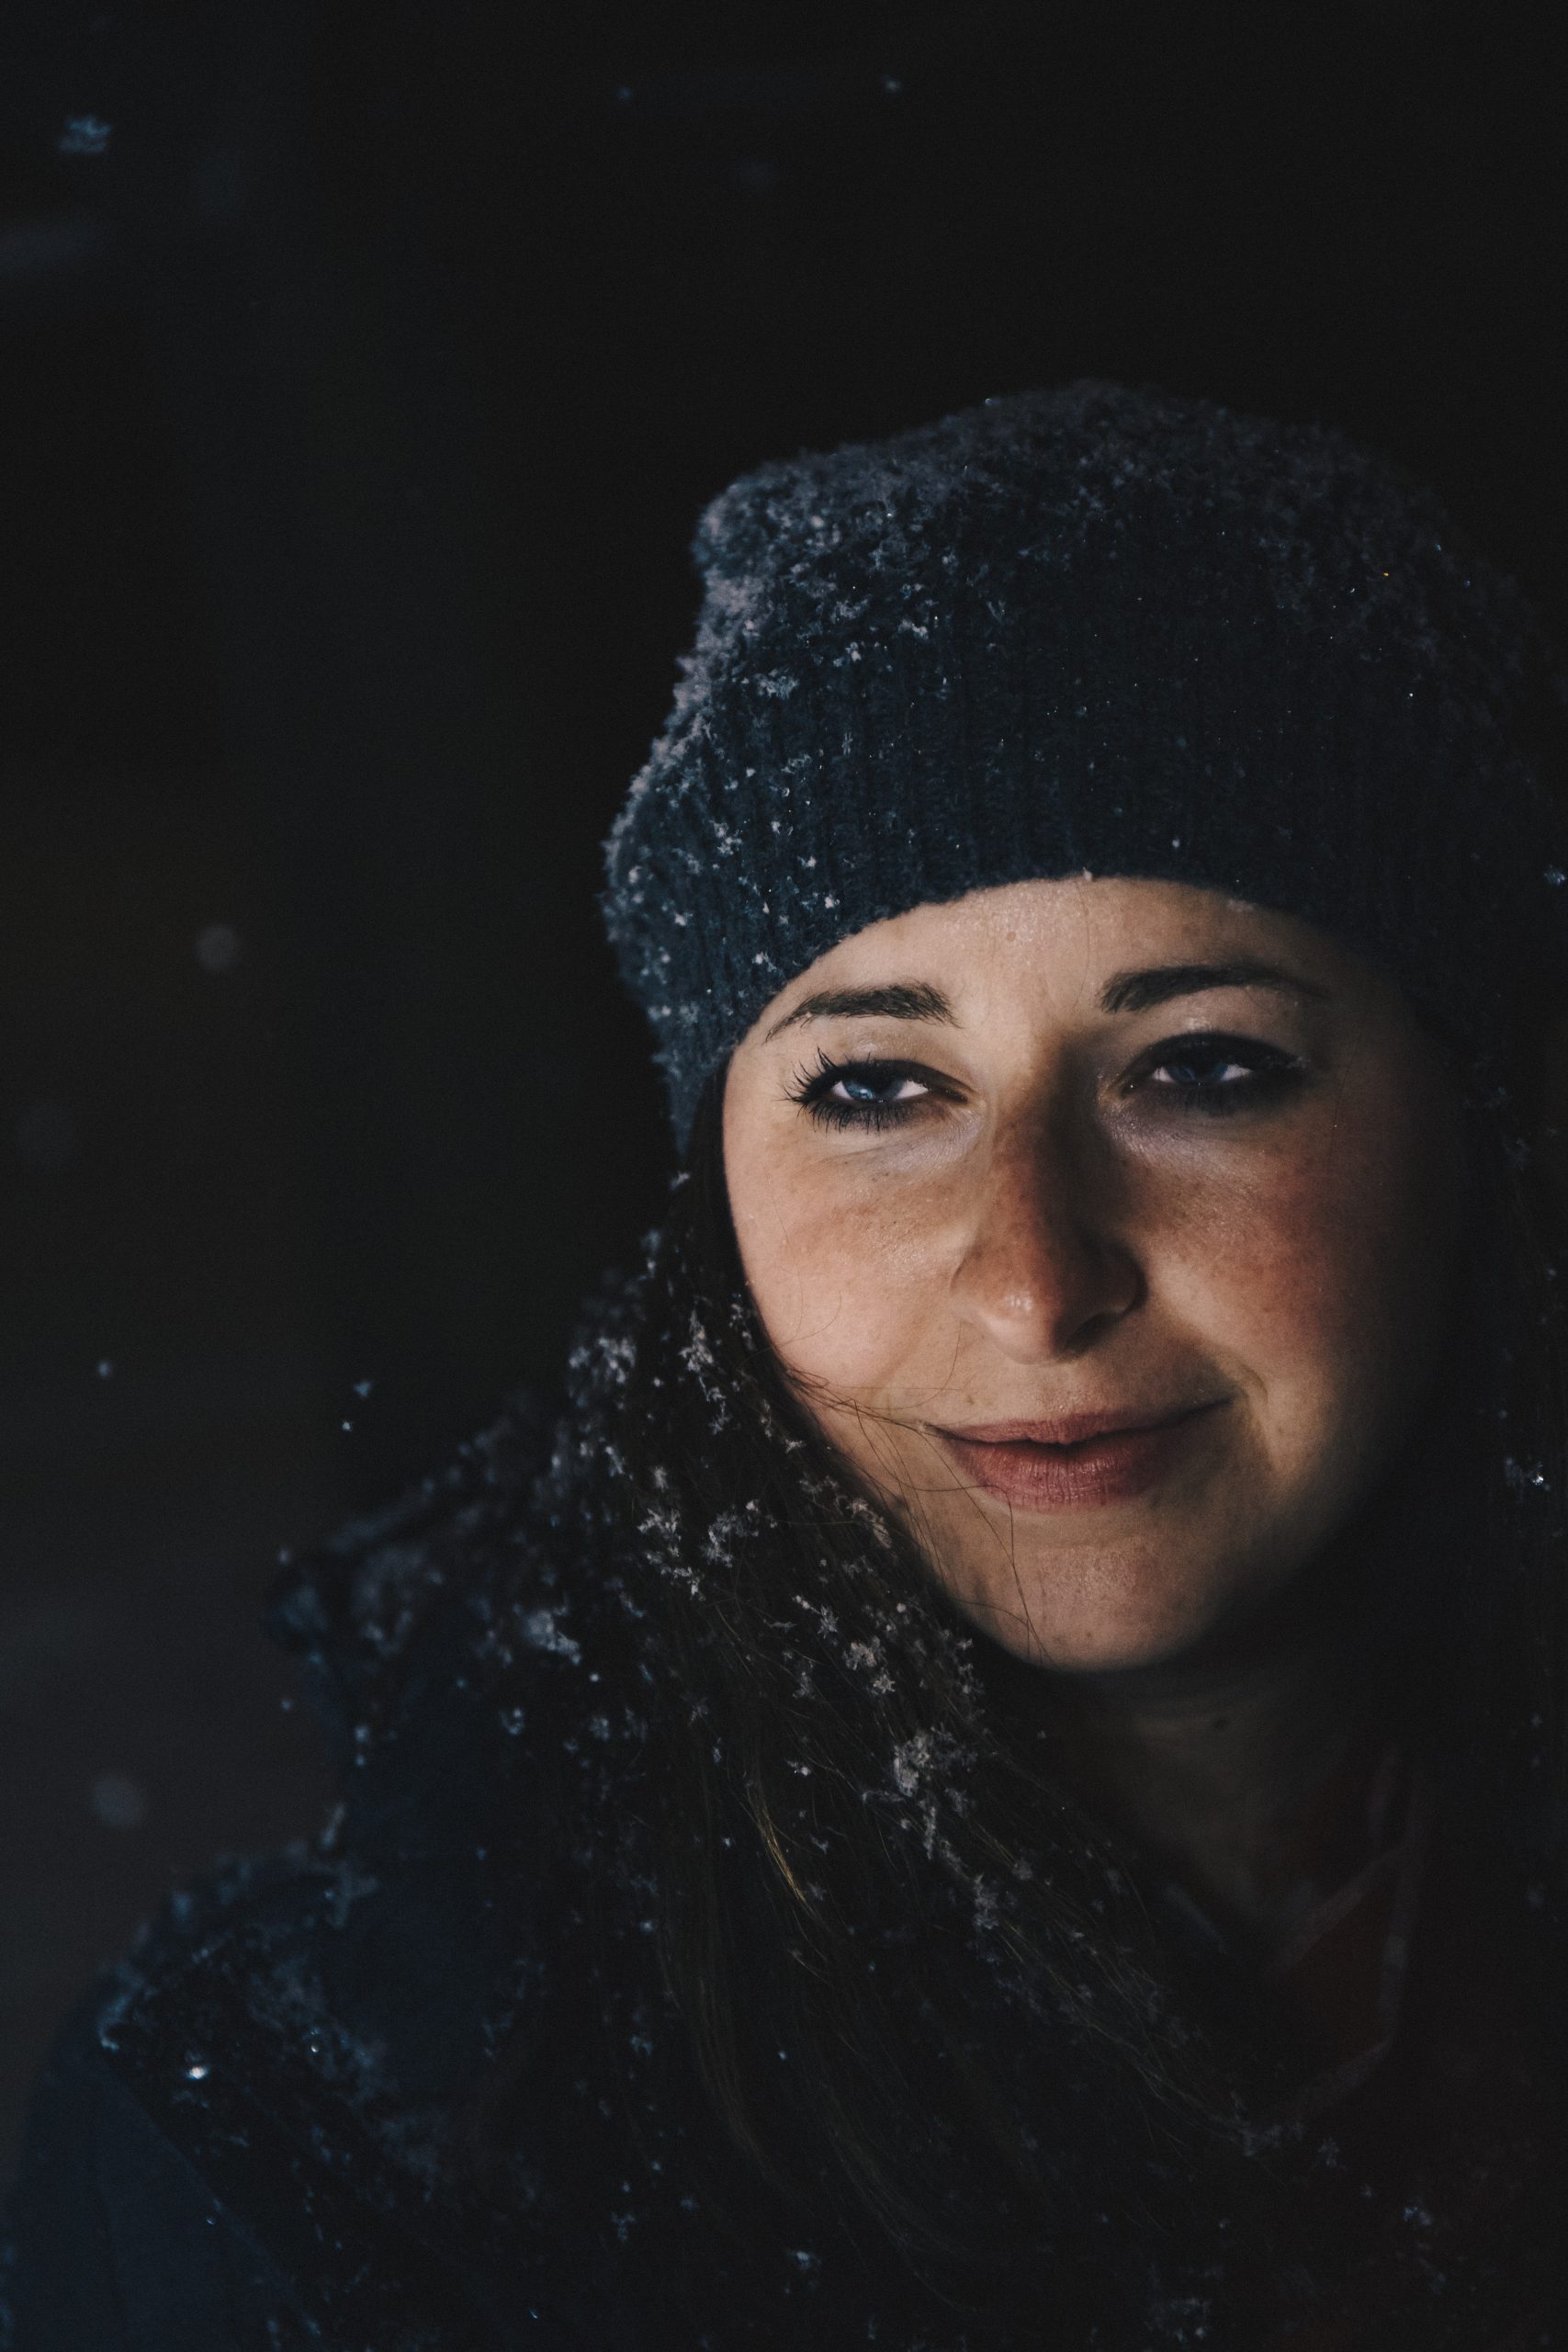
1227, 1771
1241, 1766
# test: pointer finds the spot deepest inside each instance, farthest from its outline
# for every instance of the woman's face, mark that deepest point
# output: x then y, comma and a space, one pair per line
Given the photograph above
1107, 1228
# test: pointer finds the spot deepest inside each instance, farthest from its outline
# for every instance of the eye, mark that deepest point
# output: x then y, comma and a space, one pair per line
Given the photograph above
1211, 1071
867, 1094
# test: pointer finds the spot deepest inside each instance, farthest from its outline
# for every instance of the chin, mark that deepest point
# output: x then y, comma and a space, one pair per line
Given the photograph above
1097, 1652
1095, 1639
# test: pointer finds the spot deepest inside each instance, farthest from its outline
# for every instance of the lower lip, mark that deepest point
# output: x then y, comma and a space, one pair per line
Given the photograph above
1106, 1469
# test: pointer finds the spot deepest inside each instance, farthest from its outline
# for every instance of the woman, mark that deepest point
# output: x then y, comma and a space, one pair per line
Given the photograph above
997, 1780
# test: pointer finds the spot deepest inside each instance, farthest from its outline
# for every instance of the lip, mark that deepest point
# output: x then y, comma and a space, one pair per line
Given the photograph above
1079, 1459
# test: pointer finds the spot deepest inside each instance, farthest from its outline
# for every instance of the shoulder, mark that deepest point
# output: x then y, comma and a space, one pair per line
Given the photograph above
112, 2238
277, 2071
220, 2149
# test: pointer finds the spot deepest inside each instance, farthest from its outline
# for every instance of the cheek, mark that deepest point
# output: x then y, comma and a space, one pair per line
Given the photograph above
1321, 1275
844, 1278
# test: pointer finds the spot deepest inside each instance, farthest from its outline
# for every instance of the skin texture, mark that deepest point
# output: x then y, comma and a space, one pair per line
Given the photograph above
1059, 1225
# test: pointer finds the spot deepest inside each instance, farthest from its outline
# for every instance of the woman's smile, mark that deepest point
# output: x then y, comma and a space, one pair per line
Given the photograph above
1115, 1458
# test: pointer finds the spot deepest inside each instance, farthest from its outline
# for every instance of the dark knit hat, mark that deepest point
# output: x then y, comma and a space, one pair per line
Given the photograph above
1094, 630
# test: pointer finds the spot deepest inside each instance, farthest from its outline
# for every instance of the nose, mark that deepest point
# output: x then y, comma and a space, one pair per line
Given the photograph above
1047, 1268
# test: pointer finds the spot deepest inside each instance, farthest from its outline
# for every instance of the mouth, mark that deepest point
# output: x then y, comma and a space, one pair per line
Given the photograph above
1079, 1459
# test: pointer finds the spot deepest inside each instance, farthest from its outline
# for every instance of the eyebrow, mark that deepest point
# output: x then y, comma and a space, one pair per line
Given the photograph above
1125, 993
1135, 991
903, 1001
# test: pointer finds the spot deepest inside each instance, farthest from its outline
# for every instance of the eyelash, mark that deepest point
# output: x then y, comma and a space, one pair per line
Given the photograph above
1273, 1072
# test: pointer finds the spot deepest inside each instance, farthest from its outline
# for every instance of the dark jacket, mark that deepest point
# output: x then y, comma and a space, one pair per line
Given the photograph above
255, 2132
416, 2087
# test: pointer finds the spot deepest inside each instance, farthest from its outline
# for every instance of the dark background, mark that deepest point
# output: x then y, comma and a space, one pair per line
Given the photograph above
362, 368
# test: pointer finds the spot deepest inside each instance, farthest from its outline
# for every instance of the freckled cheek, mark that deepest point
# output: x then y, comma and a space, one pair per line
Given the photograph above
1315, 1279
846, 1286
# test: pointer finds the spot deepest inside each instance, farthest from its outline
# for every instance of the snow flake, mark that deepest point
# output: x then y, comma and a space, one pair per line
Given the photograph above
541, 1630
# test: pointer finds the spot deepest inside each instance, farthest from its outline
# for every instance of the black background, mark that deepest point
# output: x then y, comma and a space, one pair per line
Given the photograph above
362, 370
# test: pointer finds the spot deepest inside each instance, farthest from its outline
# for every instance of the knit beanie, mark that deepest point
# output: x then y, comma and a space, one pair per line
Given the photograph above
1104, 631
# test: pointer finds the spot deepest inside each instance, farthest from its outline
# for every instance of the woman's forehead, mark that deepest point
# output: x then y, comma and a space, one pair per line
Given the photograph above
1079, 940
